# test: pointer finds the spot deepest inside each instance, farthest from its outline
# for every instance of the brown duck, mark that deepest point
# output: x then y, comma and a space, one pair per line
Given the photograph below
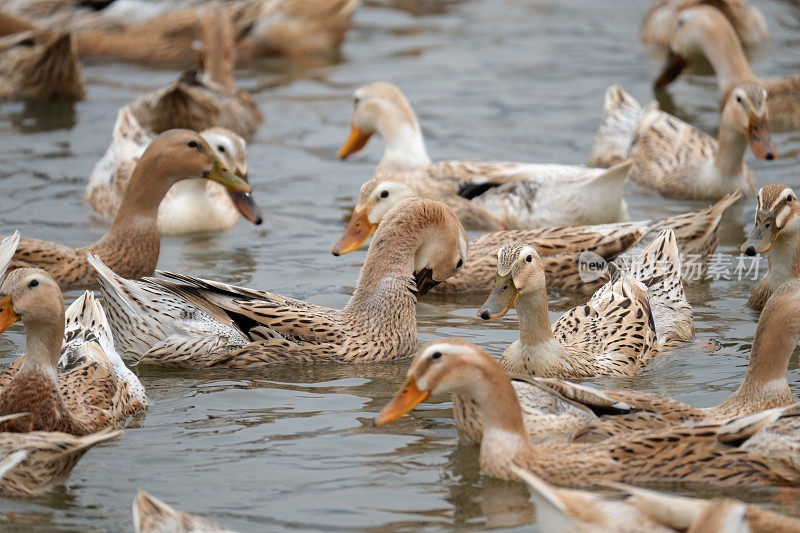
703, 453
131, 245
43, 458
194, 322
40, 65
90, 390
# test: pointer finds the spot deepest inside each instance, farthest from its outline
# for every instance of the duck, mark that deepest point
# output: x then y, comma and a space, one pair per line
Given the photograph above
612, 412
151, 515
485, 195
776, 232
148, 34
70, 379
659, 23
131, 245
188, 321
697, 515
204, 97
705, 34
40, 65
707, 453
559, 246
190, 206
560, 510
636, 509
640, 311
37, 462
678, 160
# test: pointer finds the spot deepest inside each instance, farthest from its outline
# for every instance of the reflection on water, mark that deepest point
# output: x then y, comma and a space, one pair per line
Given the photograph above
294, 447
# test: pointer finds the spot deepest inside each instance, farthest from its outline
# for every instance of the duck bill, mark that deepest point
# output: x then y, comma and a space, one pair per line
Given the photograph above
405, 400
358, 230
762, 237
673, 66
7, 314
225, 177
502, 298
244, 203
355, 142
424, 281
759, 139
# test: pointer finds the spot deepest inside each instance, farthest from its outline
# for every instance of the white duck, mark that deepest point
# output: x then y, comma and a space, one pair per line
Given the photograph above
483, 194
190, 206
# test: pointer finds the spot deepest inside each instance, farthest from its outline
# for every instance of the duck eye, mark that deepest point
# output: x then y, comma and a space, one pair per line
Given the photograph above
738, 98
356, 101
221, 149
192, 144
436, 355
33, 283
529, 258
460, 262
384, 194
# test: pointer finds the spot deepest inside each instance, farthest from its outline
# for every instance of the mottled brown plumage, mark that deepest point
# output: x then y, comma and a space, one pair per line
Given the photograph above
703, 453
559, 248
764, 385
704, 32
90, 390
40, 65
193, 322
625, 322
131, 245
49, 457
291, 28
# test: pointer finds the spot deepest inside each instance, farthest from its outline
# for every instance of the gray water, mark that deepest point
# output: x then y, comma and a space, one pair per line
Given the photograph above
294, 448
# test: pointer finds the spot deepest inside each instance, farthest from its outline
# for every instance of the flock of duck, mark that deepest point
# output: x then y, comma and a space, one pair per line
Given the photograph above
176, 164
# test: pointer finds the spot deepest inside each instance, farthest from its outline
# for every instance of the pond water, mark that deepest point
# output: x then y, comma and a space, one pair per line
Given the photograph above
294, 448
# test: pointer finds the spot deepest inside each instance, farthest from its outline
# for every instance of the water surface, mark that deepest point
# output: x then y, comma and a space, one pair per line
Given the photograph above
293, 448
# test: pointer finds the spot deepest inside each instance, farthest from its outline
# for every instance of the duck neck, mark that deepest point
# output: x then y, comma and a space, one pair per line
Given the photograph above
534, 319
143, 195
726, 56
765, 384
387, 277
504, 438
784, 256
43, 347
405, 147
730, 150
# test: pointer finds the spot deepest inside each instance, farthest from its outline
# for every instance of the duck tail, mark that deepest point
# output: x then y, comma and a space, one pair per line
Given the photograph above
8, 246
542, 492
677, 512
11, 461
86, 323
87, 441
613, 138
615, 175
658, 267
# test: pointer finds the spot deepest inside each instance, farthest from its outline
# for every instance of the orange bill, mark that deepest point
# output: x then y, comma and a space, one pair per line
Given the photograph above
7, 314
405, 400
759, 139
354, 142
358, 230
